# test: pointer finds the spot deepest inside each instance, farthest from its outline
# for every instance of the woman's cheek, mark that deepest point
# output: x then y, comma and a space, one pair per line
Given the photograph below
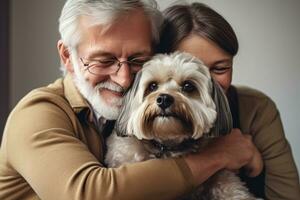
224, 80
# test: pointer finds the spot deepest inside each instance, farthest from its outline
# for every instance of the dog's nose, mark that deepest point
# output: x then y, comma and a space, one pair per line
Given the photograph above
164, 101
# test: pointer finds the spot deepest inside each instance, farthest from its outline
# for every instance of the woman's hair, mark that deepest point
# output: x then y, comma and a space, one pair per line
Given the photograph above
199, 19
103, 12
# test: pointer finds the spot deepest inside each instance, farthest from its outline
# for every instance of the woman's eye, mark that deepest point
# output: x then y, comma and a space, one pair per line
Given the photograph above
152, 87
188, 87
219, 70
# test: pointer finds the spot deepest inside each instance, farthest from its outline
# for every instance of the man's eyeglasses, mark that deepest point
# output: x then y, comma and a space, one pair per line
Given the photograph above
109, 66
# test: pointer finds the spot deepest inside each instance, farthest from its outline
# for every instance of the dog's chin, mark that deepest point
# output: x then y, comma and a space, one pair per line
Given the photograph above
169, 127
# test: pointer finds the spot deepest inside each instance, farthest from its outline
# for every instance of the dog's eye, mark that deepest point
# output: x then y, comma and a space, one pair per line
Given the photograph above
188, 86
152, 87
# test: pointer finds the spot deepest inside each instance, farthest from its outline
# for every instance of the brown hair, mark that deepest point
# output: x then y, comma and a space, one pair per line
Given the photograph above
196, 18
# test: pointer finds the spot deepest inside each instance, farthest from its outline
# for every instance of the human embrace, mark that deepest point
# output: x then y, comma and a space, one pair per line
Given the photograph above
53, 145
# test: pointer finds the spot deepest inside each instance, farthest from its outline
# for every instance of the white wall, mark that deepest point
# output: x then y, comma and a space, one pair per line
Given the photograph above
269, 56
34, 33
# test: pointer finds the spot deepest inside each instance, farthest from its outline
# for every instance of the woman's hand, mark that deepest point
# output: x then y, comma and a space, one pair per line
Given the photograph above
230, 152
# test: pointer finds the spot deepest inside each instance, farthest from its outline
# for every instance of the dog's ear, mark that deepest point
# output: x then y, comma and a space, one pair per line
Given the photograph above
126, 110
223, 123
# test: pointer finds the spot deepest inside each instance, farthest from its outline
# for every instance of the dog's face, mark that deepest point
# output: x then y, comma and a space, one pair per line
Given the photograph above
171, 100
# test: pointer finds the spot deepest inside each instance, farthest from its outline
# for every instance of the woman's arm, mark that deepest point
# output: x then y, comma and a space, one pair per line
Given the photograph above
260, 117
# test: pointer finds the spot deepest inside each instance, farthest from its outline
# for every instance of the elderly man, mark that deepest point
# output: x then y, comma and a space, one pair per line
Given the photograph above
53, 144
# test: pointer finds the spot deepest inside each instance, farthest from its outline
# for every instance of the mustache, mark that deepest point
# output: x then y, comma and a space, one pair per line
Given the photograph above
110, 86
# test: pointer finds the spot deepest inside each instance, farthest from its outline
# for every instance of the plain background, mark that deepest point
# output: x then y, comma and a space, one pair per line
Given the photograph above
268, 59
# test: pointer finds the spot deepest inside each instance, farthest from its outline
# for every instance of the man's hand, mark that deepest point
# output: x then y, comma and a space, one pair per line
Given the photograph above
230, 152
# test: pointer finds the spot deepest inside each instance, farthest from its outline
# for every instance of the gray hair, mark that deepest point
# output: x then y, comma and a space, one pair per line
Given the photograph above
104, 12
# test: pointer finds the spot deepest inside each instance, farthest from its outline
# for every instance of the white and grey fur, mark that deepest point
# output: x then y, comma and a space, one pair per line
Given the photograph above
146, 130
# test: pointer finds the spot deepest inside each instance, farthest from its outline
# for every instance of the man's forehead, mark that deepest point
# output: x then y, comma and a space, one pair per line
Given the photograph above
120, 39
109, 45
90, 23
105, 52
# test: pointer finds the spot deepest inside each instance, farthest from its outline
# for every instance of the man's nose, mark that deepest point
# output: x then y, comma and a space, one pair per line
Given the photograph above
123, 76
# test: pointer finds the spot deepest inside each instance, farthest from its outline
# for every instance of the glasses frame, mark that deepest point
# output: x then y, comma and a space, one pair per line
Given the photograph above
115, 62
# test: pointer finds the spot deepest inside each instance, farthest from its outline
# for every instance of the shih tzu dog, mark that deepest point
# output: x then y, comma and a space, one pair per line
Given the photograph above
174, 108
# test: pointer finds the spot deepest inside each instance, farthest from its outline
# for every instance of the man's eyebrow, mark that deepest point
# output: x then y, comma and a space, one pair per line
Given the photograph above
96, 54
101, 53
141, 54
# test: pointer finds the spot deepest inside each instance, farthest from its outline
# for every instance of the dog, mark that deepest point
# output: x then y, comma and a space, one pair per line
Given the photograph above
174, 108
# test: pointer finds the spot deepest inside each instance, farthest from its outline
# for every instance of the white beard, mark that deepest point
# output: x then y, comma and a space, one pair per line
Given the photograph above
93, 96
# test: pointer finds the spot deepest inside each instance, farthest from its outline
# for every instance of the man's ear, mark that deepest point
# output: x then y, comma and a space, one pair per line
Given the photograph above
65, 56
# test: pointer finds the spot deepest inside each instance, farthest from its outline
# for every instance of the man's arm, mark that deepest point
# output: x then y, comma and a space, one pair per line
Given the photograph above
43, 148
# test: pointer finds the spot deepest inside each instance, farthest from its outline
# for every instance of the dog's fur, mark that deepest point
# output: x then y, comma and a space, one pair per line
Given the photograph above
172, 109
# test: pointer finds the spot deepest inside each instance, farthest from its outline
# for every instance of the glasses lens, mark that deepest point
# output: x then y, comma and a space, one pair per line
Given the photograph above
110, 66
103, 67
140, 61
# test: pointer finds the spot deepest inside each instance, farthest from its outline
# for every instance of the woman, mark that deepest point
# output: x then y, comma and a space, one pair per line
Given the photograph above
202, 32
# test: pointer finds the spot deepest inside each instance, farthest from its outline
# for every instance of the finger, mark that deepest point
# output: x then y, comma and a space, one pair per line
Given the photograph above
255, 167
